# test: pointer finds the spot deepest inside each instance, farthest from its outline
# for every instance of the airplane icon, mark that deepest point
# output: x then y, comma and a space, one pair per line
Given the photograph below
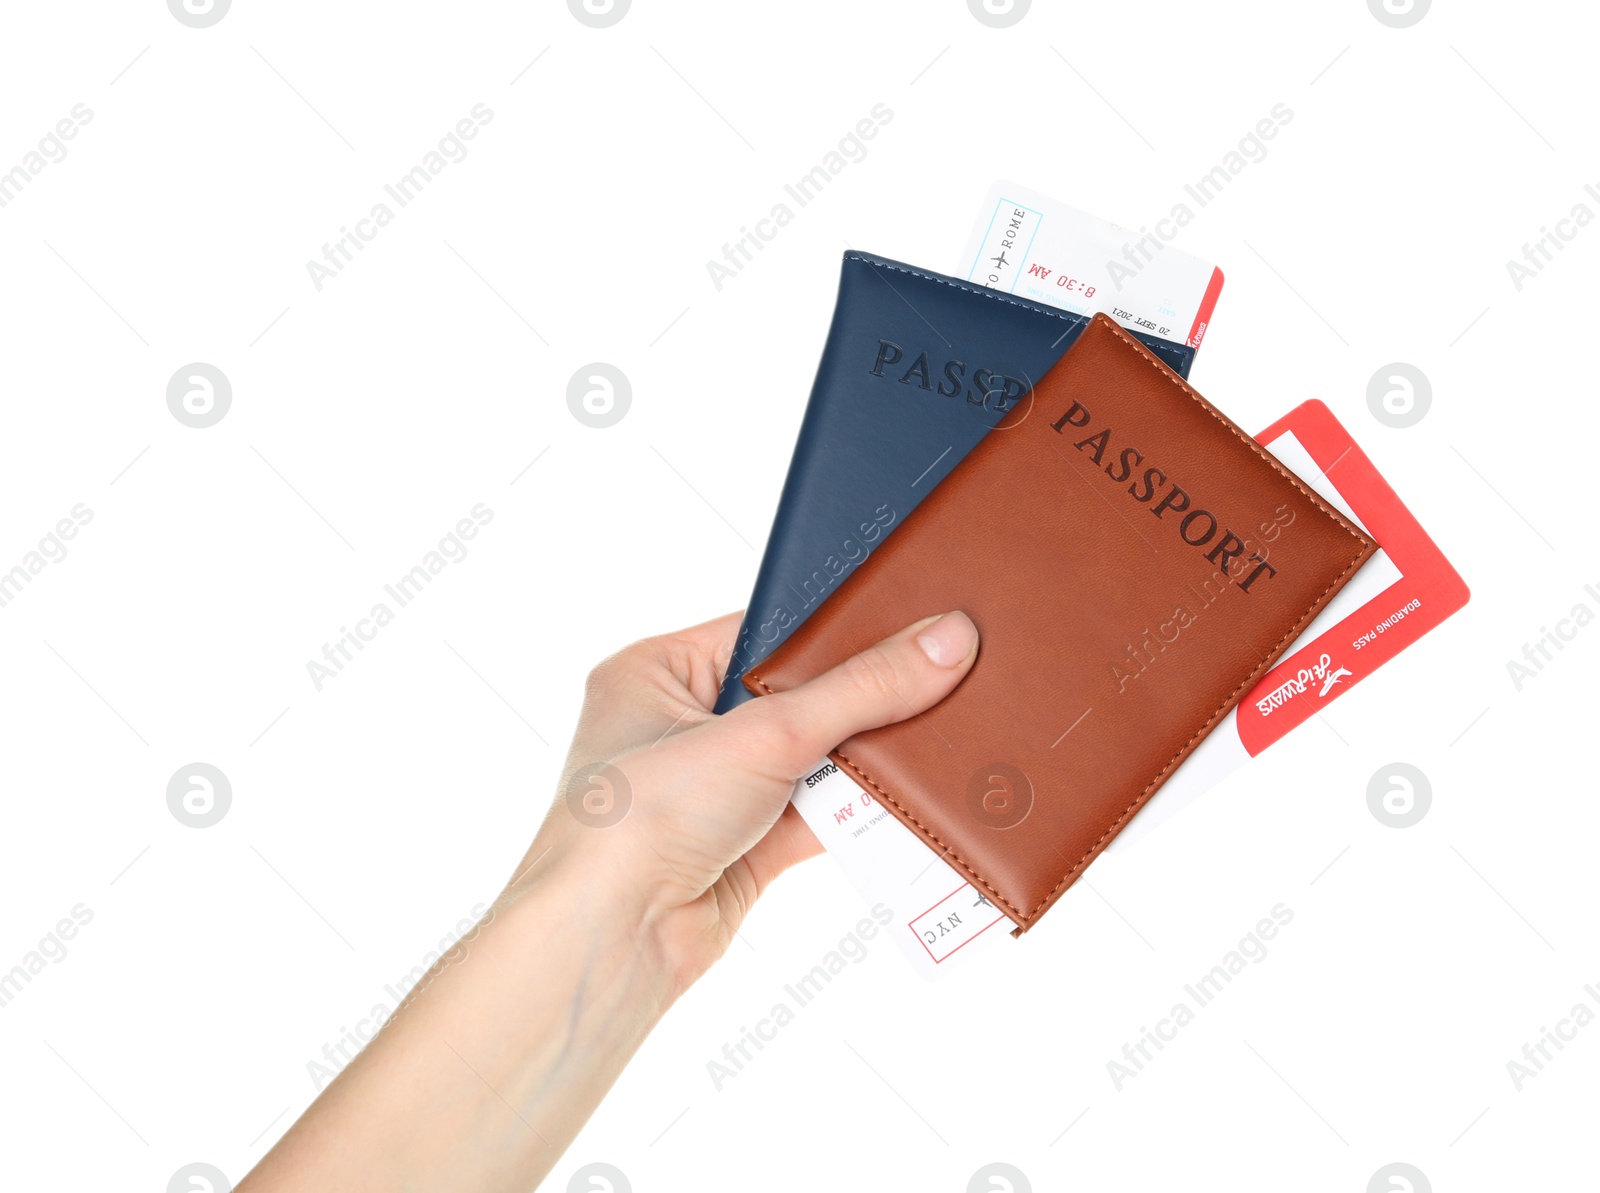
1333, 678
1000, 262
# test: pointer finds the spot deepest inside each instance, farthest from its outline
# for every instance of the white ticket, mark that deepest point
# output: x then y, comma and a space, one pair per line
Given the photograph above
1027, 244
937, 915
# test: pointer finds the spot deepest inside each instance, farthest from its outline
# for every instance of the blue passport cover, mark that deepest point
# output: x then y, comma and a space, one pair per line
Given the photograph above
916, 370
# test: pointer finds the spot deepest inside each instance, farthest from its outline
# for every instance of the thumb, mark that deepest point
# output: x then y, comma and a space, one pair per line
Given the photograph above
905, 674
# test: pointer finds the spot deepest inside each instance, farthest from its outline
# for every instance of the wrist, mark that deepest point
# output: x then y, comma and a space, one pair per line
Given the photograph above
573, 887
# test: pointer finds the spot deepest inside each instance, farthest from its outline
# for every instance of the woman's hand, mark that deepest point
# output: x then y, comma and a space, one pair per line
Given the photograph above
687, 814
670, 822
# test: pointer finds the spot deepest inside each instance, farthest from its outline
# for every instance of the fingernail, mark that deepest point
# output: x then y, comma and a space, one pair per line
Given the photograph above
948, 640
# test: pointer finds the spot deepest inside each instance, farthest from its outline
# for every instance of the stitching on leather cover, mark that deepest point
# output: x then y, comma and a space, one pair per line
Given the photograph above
909, 815
966, 868
923, 829
1028, 917
1227, 703
1174, 350
1305, 490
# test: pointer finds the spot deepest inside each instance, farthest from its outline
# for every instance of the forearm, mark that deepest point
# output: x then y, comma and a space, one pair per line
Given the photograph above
636, 883
493, 1064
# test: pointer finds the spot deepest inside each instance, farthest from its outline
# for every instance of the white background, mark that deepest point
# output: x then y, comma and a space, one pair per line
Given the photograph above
367, 418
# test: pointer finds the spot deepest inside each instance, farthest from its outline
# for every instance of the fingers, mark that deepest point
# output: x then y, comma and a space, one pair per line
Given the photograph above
714, 637
700, 655
787, 843
899, 677
655, 685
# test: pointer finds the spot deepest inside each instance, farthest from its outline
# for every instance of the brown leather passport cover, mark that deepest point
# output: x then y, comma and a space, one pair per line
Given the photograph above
1134, 562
